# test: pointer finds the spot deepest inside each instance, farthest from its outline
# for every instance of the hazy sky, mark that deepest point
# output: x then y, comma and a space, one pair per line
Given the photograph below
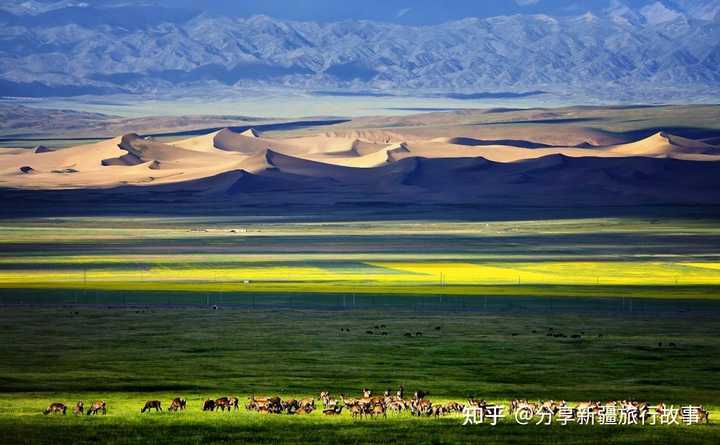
401, 11
413, 12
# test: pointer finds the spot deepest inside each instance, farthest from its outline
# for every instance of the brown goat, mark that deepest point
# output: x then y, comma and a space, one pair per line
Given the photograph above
79, 409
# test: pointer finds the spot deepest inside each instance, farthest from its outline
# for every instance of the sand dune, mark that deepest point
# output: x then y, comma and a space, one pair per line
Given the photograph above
667, 145
129, 159
204, 143
353, 156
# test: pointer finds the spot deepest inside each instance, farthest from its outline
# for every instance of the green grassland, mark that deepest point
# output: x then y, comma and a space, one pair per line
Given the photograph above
121, 309
129, 355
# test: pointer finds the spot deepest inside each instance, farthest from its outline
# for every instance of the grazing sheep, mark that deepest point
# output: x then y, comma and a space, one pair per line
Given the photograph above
407, 334
152, 404
55, 408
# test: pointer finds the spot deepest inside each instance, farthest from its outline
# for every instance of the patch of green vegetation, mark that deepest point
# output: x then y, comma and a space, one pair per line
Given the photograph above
127, 356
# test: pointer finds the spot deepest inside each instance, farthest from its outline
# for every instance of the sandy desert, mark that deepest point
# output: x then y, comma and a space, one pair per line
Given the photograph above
441, 158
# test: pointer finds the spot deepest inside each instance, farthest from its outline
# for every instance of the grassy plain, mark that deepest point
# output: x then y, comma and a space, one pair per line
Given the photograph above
129, 355
594, 257
285, 288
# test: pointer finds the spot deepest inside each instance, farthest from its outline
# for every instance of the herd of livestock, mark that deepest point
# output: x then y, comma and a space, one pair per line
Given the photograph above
372, 406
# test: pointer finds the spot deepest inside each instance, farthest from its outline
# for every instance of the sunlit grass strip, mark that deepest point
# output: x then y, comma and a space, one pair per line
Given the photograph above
389, 274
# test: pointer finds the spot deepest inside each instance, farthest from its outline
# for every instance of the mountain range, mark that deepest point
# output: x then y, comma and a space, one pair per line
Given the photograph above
655, 51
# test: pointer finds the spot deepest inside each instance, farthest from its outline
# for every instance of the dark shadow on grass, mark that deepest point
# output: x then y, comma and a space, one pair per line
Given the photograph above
178, 431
